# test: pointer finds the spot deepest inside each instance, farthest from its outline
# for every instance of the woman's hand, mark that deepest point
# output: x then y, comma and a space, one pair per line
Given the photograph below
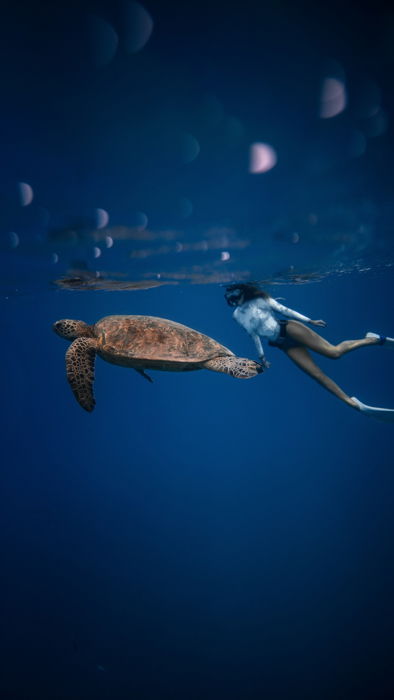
264, 363
318, 323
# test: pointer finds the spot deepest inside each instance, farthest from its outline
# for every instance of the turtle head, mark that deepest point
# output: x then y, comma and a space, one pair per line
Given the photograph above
70, 329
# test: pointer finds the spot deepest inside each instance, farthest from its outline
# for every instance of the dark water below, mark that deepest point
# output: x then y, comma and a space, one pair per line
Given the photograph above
199, 537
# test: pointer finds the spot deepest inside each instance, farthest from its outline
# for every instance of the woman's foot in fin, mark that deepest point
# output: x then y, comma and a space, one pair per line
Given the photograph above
383, 414
381, 339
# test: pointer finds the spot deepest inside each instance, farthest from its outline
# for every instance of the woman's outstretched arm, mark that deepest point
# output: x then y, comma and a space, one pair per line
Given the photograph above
290, 313
260, 350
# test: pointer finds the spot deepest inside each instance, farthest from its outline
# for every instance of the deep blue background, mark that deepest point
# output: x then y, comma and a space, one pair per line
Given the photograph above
200, 537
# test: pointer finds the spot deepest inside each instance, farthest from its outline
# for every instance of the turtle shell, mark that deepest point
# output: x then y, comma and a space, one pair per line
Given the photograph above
139, 338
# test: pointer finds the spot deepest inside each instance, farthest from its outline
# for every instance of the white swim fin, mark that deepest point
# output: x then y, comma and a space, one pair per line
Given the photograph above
383, 339
383, 414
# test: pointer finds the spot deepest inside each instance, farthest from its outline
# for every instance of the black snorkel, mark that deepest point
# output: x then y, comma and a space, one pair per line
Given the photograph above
233, 295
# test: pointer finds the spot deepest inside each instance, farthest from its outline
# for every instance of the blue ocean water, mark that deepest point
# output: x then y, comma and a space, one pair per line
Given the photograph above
199, 537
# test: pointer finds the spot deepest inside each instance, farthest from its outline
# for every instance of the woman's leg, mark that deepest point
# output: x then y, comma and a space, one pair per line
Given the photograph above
302, 359
306, 336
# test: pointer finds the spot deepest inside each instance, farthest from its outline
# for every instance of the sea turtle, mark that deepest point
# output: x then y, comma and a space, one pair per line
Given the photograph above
142, 342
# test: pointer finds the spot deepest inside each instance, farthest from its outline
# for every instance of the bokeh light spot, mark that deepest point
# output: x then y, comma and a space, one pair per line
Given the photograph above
103, 40
262, 158
138, 26
102, 218
332, 98
224, 256
96, 252
190, 148
377, 124
13, 239
25, 193
141, 220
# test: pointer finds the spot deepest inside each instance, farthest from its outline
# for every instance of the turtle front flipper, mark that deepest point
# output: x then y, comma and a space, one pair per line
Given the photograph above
239, 367
80, 358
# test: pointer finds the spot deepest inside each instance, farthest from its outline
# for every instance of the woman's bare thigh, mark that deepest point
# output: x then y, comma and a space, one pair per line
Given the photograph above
307, 337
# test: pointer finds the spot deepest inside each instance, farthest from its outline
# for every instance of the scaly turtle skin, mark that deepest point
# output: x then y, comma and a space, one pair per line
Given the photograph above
142, 342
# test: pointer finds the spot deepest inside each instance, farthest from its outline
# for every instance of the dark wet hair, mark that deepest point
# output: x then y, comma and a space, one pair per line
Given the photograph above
249, 290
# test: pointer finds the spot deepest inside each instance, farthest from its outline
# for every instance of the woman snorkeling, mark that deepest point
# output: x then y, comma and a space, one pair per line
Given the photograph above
256, 311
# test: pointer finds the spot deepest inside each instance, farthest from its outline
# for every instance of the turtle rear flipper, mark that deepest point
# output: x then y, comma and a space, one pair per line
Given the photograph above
239, 367
145, 375
80, 358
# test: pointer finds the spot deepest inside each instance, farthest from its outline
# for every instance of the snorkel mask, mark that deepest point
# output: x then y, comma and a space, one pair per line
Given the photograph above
233, 295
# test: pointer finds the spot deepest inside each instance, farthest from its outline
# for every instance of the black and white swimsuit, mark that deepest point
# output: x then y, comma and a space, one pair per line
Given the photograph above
258, 318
